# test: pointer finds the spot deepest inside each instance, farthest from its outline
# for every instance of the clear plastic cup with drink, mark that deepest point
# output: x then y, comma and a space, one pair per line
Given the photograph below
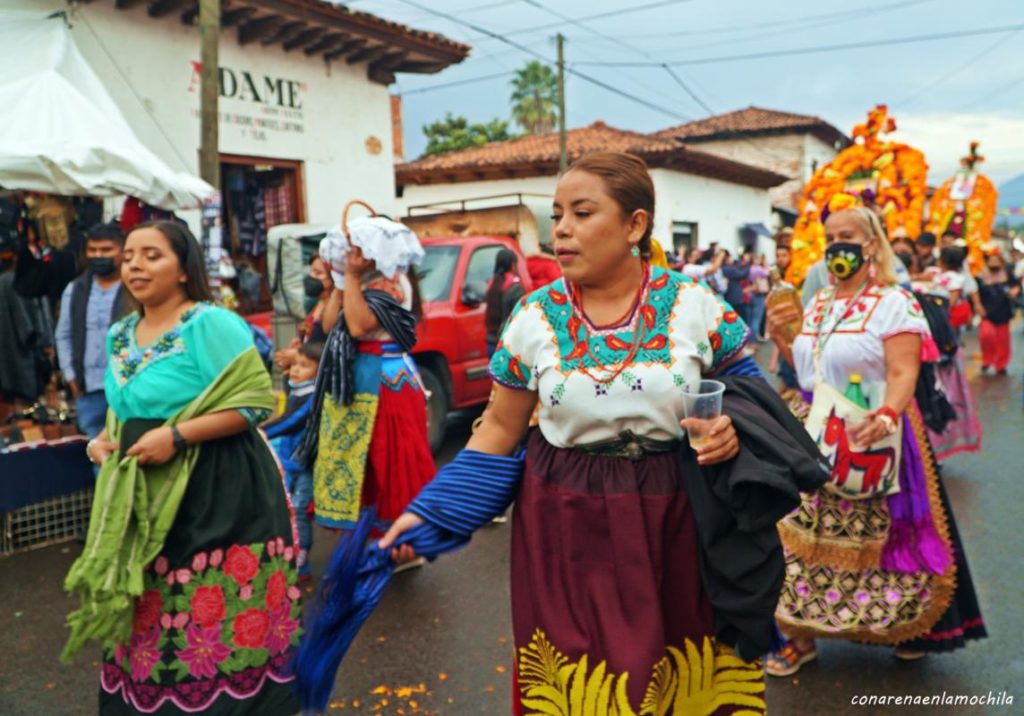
702, 407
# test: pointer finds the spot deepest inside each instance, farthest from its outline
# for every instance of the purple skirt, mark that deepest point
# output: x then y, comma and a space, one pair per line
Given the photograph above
607, 600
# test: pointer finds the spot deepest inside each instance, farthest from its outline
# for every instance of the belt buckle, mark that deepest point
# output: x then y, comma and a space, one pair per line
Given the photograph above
632, 450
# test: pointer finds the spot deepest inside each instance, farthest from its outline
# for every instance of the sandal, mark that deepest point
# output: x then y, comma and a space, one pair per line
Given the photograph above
904, 654
788, 660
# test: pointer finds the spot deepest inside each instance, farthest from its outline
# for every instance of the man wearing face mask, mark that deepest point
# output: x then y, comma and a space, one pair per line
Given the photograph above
89, 305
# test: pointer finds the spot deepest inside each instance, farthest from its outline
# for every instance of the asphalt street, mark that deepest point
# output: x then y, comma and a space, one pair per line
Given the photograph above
440, 643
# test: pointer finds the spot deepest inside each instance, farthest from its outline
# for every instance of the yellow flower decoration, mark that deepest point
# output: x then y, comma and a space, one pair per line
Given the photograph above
896, 172
842, 201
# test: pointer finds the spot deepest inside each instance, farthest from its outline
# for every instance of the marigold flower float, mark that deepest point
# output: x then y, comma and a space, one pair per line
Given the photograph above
888, 175
965, 206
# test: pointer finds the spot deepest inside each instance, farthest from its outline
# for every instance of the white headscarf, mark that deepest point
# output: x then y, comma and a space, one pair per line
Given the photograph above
393, 246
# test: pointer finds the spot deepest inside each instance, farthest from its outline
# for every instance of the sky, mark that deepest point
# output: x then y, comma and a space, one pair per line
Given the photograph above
943, 92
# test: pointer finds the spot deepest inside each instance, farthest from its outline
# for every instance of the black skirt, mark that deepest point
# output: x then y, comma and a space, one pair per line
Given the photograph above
217, 624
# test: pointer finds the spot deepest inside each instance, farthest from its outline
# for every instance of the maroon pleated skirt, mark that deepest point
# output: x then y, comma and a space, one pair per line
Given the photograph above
608, 608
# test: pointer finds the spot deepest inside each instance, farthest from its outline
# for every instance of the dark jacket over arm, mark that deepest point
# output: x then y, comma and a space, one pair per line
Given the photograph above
736, 505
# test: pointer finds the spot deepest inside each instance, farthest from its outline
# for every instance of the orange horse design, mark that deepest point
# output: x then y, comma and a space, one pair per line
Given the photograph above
871, 462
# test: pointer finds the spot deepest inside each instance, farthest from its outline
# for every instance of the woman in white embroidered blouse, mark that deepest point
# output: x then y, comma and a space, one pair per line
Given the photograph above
883, 570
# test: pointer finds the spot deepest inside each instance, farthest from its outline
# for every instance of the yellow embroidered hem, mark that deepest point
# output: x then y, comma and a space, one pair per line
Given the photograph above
689, 681
345, 434
835, 586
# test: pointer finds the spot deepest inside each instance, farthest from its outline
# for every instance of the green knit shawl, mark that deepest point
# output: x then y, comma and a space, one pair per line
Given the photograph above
134, 507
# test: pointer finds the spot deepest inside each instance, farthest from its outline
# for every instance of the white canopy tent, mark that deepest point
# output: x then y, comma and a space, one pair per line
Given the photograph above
60, 131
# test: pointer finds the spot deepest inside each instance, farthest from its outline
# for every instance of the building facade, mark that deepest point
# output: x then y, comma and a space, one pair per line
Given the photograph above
701, 198
793, 145
304, 105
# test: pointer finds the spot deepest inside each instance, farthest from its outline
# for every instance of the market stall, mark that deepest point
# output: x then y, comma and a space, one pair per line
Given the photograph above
64, 148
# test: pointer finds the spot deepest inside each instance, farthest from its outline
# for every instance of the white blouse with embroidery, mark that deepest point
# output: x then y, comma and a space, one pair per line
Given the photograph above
547, 347
857, 345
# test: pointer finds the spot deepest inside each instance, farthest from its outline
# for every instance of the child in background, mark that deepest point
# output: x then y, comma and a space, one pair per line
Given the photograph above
285, 434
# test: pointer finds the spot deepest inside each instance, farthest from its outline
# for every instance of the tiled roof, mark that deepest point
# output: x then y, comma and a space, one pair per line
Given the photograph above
753, 121
324, 29
341, 10
537, 155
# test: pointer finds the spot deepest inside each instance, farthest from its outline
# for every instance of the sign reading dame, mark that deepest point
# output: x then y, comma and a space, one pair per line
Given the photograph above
260, 89
276, 102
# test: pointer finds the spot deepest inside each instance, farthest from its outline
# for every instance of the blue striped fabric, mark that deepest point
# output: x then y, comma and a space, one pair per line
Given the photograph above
466, 494
745, 367
469, 492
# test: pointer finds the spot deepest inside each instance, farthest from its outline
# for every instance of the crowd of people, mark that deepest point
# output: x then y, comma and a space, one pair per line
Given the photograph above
631, 540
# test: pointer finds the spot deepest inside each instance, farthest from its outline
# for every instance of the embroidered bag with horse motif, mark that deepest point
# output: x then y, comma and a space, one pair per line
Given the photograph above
858, 472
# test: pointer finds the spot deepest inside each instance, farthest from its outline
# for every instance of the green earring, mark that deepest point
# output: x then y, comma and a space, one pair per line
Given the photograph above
635, 252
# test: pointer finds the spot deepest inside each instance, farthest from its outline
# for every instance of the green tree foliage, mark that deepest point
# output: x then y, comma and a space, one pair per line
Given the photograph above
535, 98
452, 133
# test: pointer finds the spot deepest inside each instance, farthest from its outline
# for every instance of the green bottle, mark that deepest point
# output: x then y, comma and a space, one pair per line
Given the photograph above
854, 393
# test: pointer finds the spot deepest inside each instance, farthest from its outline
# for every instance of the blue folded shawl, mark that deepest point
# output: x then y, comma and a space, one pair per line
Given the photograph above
466, 494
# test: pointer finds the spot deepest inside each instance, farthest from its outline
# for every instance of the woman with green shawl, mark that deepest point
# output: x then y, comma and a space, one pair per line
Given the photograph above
188, 573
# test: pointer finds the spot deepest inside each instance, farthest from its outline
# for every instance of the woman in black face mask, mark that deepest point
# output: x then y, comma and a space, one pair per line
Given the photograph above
906, 252
318, 286
872, 560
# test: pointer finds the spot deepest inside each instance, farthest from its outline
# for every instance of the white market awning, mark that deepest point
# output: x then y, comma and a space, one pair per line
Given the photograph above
60, 131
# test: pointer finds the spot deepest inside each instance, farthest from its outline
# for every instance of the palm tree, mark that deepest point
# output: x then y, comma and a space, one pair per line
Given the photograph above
535, 98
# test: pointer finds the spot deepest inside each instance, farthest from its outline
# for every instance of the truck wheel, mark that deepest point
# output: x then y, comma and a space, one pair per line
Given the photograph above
437, 407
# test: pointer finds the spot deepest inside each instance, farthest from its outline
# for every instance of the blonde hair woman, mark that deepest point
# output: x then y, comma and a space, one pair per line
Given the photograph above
881, 570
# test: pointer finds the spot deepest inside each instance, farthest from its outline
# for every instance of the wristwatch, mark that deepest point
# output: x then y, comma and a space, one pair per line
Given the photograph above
179, 441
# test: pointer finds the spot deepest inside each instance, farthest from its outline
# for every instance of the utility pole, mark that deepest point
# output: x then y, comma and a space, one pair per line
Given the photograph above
563, 151
209, 34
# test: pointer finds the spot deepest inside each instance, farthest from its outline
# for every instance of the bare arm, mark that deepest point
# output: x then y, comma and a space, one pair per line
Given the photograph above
333, 309
157, 446
358, 316
505, 422
902, 366
979, 308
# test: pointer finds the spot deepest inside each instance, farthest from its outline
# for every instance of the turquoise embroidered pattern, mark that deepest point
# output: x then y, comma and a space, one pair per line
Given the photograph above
127, 359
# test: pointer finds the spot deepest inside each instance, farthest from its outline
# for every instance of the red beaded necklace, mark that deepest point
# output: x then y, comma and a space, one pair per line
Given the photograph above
635, 313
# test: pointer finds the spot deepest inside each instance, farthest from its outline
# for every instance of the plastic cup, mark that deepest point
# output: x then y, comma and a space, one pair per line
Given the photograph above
702, 408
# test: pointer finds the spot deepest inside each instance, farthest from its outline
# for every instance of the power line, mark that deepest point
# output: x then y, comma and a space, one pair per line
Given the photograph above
598, 16
686, 88
960, 68
596, 33
458, 83
537, 55
989, 95
808, 24
790, 22
812, 50
468, 10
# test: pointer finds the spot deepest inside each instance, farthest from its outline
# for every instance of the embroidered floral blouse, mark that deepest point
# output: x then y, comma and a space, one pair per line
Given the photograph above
685, 331
858, 344
157, 380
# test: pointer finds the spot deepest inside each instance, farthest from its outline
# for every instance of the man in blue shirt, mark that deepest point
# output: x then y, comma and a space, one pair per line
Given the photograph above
89, 305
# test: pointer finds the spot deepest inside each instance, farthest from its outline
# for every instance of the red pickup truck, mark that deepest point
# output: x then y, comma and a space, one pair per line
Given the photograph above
451, 349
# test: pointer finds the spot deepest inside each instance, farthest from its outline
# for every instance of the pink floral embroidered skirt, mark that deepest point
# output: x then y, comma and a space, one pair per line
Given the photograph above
217, 624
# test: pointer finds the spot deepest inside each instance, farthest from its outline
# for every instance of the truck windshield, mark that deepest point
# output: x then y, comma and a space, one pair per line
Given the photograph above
437, 271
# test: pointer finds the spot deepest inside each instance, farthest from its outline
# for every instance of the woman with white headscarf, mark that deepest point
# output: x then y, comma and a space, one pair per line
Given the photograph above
367, 439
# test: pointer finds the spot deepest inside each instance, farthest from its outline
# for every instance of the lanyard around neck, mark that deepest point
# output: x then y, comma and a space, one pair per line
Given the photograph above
819, 340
